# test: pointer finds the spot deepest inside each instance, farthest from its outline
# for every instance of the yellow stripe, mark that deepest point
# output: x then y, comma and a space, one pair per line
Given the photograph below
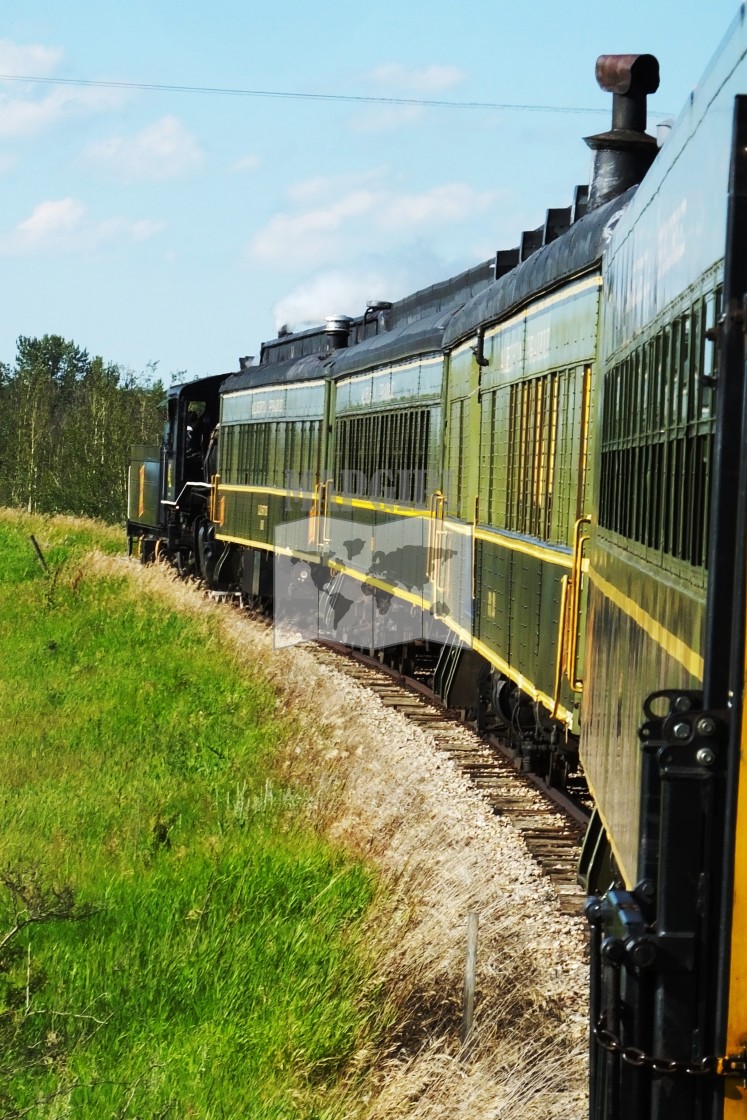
276, 490
523, 682
735, 1098
538, 551
668, 641
380, 507
458, 527
334, 565
594, 281
372, 581
280, 549
419, 601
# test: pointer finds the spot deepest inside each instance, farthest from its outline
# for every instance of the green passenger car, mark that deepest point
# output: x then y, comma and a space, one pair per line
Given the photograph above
270, 450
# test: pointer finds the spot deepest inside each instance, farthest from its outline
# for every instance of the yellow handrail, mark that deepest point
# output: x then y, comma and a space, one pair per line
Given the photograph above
213, 500
579, 540
325, 510
313, 534
436, 513
559, 659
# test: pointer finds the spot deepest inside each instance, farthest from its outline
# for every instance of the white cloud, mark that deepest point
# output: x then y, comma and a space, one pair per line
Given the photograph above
312, 233
63, 225
397, 81
451, 202
338, 231
33, 59
247, 163
26, 108
329, 293
386, 118
24, 116
331, 186
51, 220
428, 79
164, 150
348, 290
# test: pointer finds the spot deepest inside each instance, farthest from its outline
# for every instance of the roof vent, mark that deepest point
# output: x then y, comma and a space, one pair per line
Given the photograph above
531, 241
557, 221
580, 202
337, 328
623, 155
505, 260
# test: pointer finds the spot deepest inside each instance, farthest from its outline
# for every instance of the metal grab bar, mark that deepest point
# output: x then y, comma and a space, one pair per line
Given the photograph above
213, 501
579, 541
313, 535
560, 656
324, 492
436, 514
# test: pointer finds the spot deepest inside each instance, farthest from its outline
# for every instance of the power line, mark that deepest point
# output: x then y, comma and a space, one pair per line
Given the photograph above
287, 94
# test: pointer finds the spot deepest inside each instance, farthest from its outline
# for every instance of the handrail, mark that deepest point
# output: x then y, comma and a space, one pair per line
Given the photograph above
212, 502
324, 493
312, 536
559, 658
579, 540
435, 514
141, 494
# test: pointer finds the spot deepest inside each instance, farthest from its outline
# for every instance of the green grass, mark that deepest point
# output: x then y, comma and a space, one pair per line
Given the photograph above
206, 960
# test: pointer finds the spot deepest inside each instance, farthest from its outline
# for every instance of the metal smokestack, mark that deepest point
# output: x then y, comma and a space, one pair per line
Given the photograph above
337, 329
623, 155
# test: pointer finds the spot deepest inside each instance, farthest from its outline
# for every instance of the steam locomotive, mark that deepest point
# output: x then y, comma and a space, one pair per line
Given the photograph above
532, 479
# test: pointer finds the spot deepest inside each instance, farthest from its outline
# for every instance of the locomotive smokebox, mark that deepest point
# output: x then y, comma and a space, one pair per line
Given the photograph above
623, 155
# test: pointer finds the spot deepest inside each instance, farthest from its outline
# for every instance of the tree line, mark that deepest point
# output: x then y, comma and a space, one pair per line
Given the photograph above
67, 422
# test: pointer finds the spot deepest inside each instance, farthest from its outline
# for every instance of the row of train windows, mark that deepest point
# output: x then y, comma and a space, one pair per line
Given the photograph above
659, 386
657, 435
657, 494
383, 455
532, 455
282, 454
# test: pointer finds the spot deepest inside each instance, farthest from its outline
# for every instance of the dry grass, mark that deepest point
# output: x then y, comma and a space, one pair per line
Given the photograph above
377, 784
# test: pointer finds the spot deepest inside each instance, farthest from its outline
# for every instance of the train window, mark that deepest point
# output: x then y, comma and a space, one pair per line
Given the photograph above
535, 475
655, 467
383, 455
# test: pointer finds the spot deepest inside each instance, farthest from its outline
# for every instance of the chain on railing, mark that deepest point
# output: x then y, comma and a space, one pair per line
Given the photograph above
734, 1065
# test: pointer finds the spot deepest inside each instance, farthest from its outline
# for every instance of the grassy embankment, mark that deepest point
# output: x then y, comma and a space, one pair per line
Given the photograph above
189, 951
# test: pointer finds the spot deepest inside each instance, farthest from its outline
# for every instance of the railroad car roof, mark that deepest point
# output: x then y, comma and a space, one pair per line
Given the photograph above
278, 373
192, 389
571, 253
423, 336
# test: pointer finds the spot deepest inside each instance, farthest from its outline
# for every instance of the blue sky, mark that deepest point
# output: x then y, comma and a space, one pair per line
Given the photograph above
183, 228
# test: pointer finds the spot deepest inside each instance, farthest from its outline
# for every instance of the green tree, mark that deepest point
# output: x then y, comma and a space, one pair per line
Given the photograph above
66, 425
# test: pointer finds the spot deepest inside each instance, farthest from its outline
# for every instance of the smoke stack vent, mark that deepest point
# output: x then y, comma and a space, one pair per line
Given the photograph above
337, 329
623, 155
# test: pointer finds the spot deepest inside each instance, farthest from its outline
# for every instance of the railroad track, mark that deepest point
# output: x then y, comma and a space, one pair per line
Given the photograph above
550, 824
